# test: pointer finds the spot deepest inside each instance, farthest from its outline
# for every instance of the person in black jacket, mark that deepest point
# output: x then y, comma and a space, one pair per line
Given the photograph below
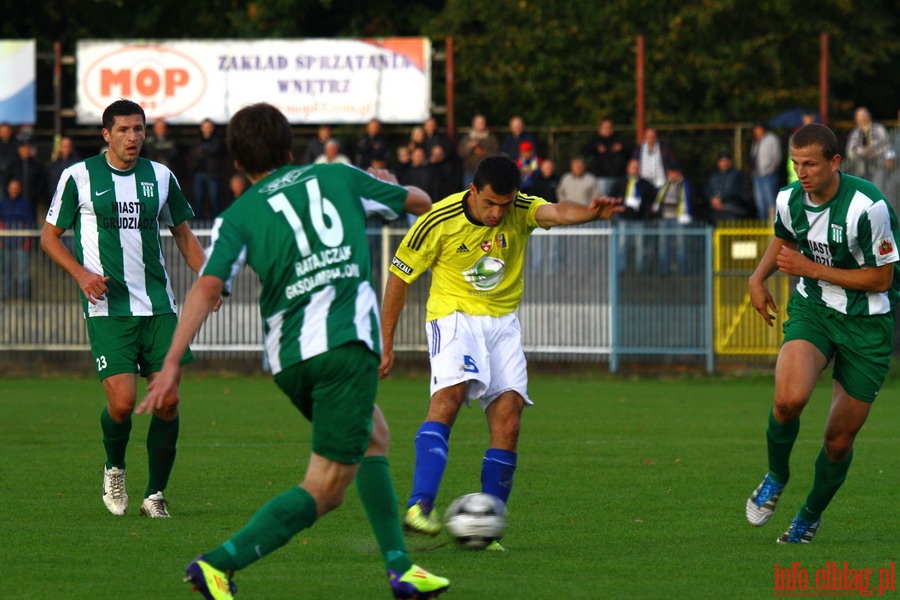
608, 155
419, 173
209, 165
544, 181
727, 193
371, 146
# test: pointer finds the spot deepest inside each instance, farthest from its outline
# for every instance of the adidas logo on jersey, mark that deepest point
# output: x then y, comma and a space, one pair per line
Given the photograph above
462, 248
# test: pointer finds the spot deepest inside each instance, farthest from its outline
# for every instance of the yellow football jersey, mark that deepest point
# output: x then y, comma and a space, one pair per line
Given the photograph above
475, 269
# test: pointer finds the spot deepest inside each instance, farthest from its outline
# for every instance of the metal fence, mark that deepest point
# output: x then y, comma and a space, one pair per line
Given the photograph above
642, 296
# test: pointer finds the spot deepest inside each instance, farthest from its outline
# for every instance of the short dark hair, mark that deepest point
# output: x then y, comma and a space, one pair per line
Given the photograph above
816, 134
259, 138
121, 108
500, 173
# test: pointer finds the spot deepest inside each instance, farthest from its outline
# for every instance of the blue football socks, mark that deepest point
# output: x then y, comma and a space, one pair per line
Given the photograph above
432, 445
497, 471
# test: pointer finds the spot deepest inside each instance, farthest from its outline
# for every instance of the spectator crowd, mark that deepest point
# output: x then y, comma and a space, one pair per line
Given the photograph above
645, 173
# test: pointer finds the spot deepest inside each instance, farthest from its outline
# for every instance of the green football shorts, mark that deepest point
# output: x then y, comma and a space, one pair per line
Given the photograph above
335, 391
131, 344
860, 345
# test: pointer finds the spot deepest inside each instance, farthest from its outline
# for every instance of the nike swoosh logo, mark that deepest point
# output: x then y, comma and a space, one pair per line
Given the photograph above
103, 192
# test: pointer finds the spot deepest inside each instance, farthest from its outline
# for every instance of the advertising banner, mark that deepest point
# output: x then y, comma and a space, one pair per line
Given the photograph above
18, 100
311, 81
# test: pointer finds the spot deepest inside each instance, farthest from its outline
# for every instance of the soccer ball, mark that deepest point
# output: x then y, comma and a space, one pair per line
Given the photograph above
476, 520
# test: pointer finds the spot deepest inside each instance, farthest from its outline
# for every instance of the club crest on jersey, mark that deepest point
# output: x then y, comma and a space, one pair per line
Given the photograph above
147, 189
837, 233
486, 245
501, 240
885, 247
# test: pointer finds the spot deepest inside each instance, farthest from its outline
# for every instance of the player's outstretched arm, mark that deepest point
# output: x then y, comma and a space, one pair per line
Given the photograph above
395, 292
573, 213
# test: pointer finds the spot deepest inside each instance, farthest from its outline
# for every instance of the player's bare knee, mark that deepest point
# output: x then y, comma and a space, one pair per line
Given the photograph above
168, 412
443, 410
788, 409
120, 409
838, 446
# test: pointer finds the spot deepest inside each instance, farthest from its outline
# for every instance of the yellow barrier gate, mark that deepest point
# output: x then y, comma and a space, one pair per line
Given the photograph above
738, 327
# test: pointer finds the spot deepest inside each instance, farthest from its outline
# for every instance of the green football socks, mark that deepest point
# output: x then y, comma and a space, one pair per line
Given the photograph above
780, 438
379, 499
285, 515
115, 439
273, 525
829, 476
161, 441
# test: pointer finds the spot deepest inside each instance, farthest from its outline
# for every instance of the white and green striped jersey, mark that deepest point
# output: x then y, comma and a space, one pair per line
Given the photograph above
115, 216
855, 229
302, 230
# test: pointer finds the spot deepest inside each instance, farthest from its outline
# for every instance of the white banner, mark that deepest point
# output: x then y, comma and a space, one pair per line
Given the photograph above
311, 81
18, 100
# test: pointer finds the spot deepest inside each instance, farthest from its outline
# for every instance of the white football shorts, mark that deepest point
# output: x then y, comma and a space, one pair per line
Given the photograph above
484, 351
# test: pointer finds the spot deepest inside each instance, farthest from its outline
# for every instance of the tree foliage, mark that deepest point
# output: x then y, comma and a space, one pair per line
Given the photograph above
557, 62
706, 60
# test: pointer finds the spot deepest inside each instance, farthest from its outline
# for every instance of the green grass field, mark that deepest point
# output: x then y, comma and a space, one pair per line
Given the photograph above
625, 489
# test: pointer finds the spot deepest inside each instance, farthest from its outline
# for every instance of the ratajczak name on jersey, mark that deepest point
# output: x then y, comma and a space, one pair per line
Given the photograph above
115, 216
855, 229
